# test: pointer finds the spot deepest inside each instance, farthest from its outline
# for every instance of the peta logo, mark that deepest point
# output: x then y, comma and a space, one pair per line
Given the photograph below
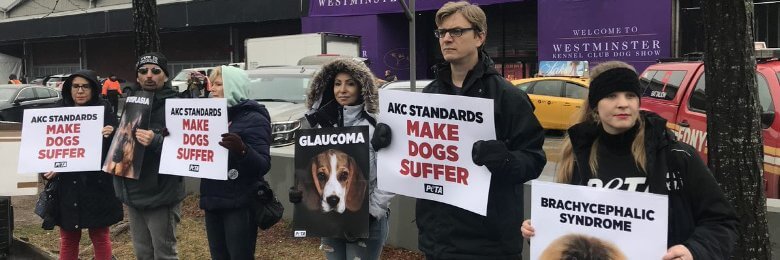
194, 168
60, 164
435, 189
299, 233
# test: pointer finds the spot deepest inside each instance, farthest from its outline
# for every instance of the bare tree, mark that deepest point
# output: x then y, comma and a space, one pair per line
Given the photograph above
147, 38
735, 146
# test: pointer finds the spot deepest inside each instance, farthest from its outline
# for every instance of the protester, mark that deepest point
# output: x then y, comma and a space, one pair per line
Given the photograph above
112, 90
619, 142
12, 80
86, 199
390, 76
516, 156
154, 200
230, 225
343, 94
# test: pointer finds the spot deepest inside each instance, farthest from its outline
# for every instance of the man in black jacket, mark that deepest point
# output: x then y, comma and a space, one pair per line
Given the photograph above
516, 156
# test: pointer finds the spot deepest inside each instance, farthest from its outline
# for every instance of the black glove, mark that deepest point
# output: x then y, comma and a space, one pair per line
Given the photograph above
164, 131
326, 115
295, 195
233, 143
382, 136
490, 153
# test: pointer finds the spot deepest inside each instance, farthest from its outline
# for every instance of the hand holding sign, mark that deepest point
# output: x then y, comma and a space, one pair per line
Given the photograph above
144, 136
233, 143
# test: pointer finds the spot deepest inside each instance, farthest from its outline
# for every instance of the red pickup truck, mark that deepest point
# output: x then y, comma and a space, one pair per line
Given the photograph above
675, 90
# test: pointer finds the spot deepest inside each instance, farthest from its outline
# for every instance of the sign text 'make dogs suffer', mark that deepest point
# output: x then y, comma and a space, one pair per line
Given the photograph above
430, 153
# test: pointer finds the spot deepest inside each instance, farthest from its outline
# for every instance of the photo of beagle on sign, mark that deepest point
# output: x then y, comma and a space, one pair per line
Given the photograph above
331, 172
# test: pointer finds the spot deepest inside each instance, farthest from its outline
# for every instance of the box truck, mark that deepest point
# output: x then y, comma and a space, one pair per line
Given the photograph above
288, 49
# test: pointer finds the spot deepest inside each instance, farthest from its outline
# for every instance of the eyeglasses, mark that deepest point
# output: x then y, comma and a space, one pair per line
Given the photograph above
143, 71
78, 87
454, 32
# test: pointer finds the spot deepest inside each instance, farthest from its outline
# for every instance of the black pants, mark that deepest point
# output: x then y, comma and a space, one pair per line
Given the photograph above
232, 233
113, 98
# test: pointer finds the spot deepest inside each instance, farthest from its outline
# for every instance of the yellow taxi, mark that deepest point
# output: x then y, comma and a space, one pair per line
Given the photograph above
557, 99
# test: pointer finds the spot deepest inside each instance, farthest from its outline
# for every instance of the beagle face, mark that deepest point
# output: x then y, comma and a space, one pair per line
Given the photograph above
338, 181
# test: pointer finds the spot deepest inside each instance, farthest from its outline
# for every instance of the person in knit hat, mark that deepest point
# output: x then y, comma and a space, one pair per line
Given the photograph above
617, 146
153, 200
230, 225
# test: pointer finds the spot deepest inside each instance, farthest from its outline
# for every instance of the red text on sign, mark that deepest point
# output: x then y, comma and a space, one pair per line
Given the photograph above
63, 129
195, 154
65, 153
196, 139
432, 130
435, 171
62, 140
438, 151
195, 124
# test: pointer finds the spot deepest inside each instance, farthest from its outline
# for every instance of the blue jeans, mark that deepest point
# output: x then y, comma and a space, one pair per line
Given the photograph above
367, 248
232, 233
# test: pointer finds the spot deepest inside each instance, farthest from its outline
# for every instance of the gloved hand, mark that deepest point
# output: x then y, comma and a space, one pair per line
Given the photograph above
490, 153
233, 143
295, 195
382, 136
326, 115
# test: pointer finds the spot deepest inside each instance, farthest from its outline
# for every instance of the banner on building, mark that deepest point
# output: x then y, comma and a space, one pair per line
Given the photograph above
332, 172
64, 139
364, 7
563, 68
126, 154
571, 218
430, 154
192, 148
601, 30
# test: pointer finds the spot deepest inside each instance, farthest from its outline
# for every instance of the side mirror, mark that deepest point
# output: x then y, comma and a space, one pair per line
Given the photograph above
767, 118
16, 102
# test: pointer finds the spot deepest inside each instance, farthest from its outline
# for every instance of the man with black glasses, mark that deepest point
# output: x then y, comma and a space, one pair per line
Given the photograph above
154, 200
449, 232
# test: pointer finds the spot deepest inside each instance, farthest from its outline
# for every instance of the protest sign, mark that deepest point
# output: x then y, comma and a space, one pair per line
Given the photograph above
332, 171
430, 154
571, 218
126, 154
192, 149
66, 139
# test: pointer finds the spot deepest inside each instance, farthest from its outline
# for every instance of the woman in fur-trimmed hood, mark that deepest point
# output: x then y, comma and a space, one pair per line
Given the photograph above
343, 94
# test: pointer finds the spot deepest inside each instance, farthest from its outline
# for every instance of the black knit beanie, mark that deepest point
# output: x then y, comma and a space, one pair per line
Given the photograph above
612, 80
155, 58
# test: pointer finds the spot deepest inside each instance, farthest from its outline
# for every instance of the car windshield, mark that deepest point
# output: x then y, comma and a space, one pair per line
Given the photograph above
7, 94
285, 88
182, 76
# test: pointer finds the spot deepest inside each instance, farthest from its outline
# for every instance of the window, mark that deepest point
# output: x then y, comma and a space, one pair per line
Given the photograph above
575, 91
42, 93
663, 84
524, 86
547, 88
53, 93
26, 94
697, 101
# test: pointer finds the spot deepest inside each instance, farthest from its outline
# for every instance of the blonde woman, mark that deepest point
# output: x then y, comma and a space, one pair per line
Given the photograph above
615, 146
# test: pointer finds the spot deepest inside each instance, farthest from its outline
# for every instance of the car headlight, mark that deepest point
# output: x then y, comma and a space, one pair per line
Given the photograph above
283, 133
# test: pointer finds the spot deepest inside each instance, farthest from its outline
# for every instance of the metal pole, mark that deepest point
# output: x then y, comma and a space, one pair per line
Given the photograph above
410, 15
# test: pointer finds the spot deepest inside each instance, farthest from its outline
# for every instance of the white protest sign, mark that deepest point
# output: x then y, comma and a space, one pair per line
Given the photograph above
430, 153
192, 149
571, 217
65, 139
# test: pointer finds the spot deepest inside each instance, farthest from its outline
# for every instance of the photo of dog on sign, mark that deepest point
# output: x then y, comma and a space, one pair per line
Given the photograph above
331, 179
125, 155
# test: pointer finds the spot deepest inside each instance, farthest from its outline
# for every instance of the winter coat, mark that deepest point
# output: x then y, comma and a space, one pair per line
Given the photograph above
152, 189
321, 92
449, 232
251, 121
86, 199
700, 217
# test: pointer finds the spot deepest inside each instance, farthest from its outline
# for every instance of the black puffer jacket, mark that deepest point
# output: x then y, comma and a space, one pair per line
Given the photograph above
449, 232
152, 189
87, 198
700, 217
251, 121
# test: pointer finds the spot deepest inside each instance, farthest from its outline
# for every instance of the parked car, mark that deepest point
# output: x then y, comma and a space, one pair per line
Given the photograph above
406, 86
557, 99
14, 99
55, 81
179, 83
675, 89
283, 91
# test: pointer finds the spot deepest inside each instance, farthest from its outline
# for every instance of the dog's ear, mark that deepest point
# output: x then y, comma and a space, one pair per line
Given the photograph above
306, 184
356, 189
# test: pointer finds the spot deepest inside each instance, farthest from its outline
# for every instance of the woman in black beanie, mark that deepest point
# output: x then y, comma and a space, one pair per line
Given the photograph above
614, 141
